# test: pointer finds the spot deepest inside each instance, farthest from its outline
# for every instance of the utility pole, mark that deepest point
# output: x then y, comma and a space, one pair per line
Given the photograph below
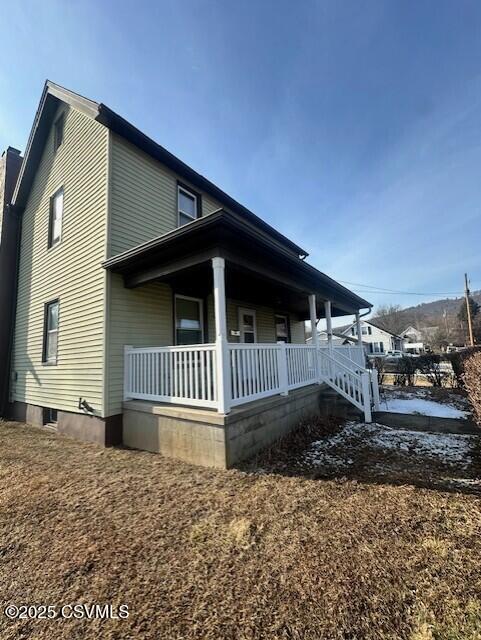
468, 310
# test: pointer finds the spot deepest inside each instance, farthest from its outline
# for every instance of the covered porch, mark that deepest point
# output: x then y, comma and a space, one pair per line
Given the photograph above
214, 363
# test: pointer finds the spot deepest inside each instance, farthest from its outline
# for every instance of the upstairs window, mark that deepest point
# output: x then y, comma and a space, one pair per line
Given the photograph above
58, 132
56, 215
187, 205
50, 335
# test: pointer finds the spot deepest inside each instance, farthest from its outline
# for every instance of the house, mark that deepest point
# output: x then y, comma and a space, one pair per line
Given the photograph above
151, 307
418, 340
376, 339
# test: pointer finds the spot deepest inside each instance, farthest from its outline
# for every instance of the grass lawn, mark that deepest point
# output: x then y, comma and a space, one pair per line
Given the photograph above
198, 553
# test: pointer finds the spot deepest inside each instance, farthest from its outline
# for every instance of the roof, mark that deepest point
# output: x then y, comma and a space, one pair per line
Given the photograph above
346, 327
244, 244
48, 105
98, 111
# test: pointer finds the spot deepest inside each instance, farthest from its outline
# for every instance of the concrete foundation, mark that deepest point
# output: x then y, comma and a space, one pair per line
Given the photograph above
103, 431
210, 439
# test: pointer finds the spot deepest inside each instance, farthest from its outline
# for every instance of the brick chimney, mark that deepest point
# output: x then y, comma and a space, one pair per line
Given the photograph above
10, 163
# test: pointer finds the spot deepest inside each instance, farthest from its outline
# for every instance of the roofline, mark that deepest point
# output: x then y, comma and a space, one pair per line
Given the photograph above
227, 217
395, 335
125, 129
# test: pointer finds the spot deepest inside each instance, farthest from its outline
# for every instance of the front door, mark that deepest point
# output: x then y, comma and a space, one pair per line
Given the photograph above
247, 325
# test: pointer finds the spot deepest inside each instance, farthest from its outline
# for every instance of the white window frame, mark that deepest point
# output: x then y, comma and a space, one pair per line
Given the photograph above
48, 332
51, 241
286, 318
178, 296
251, 312
190, 194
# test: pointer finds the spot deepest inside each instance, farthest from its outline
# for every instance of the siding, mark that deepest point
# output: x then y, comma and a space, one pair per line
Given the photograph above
266, 328
143, 197
71, 271
139, 317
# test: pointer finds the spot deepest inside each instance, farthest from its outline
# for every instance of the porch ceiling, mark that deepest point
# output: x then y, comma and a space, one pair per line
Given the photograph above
259, 269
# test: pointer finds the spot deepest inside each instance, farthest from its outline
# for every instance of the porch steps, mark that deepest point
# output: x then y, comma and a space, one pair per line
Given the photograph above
333, 404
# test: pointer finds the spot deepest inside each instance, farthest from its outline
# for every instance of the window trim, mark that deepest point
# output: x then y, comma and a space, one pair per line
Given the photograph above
51, 243
178, 296
287, 318
46, 306
198, 204
58, 121
248, 311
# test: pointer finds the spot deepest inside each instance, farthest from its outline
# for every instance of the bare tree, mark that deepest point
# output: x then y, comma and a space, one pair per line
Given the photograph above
389, 317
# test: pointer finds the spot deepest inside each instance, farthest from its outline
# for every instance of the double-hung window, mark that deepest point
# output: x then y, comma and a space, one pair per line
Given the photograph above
56, 215
282, 328
189, 326
187, 205
50, 337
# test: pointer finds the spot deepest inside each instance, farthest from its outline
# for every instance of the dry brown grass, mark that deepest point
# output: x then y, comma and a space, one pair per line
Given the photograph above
206, 554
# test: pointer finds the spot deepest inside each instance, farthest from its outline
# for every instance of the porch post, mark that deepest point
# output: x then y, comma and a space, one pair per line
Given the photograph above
222, 352
314, 334
327, 308
358, 329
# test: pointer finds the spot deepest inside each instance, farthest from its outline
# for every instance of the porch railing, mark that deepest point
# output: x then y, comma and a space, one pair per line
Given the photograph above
188, 374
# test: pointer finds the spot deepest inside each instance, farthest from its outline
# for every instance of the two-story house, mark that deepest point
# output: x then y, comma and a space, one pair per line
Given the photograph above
154, 309
376, 339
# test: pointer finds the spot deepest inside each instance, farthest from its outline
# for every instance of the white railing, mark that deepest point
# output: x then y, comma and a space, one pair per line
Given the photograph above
189, 374
353, 384
351, 351
256, 371
181, 375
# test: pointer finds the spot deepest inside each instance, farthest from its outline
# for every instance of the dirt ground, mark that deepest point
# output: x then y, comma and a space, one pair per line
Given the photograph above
199, 553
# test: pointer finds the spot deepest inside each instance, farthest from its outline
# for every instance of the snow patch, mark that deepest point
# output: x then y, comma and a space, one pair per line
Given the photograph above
422, 407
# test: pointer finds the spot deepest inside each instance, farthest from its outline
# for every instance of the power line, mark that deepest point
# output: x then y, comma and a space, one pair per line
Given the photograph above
373, 289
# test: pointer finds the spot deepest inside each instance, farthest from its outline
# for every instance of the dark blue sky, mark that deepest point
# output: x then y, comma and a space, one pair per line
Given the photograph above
353, 127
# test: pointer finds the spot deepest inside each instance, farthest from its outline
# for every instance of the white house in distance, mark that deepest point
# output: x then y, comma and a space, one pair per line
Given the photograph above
415, 339
375, 339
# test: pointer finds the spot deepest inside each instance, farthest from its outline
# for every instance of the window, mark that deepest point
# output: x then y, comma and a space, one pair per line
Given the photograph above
282, 328
247, 325
55, 223
58, 132
378, 347
189, 326
50, 337
364, 330
188, 205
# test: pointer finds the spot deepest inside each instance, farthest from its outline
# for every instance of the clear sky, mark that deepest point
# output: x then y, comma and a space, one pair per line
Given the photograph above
353, 127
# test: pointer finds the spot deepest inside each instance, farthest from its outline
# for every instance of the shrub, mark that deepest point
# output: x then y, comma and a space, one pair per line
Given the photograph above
406, 369
458, 361
430, 366
472, 383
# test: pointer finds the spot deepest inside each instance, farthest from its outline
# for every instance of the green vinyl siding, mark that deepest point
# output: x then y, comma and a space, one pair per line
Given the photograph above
143, 196
71, 272
139, 317
265, 322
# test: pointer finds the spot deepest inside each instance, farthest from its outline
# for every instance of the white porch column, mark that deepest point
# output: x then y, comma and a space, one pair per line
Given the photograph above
222, 352
358, 329
327, 308
314, 334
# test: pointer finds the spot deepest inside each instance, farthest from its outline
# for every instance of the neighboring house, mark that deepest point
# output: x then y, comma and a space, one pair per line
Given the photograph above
418, 340
376, 339
151, 306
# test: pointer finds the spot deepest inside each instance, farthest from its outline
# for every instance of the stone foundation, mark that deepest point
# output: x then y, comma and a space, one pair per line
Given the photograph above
103, 431
210, 439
